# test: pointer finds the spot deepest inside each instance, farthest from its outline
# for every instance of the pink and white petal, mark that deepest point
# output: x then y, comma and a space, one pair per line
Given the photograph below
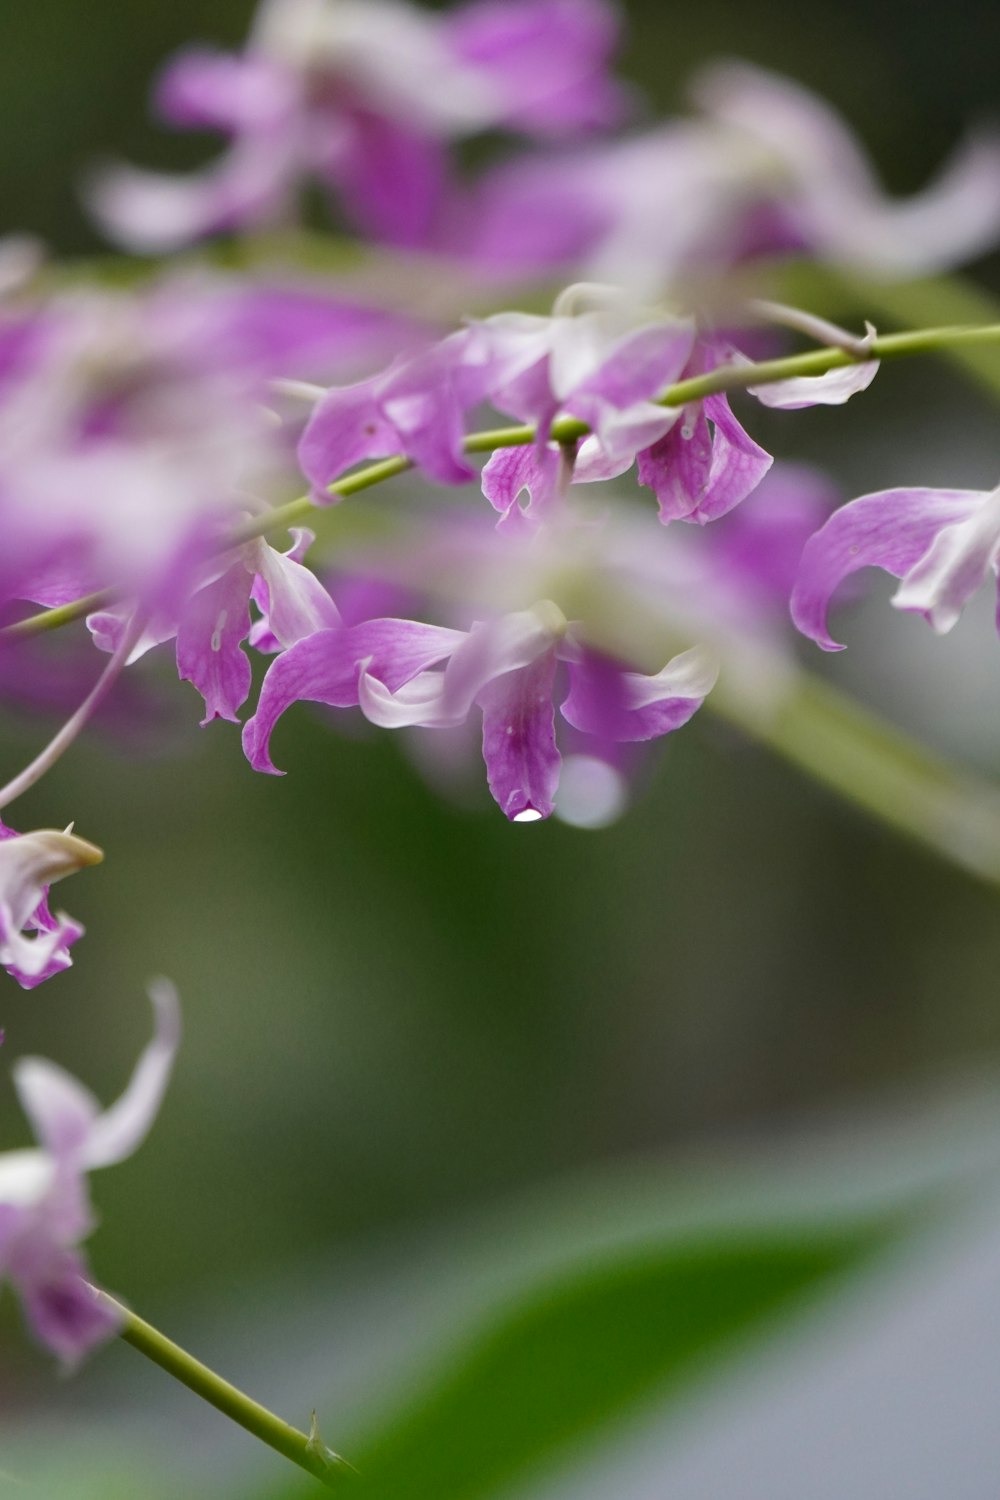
324, 668
596, 701
108, 626
294, 602
519, 746
510, 472
831, 389
418, 701
622, 433
891, 529
422, 403
955, 565
496, 647
215, 622
60, 1110
117, 1132
638, 366
32, 960
155, 213
738, 463
662, 702
677, 468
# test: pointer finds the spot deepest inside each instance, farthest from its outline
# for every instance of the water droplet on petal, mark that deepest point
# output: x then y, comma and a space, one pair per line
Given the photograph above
527, 815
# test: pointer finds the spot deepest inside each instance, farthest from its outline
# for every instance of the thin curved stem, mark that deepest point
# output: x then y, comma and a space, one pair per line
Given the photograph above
61, 742
744, 376
308, 1451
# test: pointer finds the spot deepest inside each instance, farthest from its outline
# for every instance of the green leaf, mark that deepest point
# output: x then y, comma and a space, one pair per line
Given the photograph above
568, 1359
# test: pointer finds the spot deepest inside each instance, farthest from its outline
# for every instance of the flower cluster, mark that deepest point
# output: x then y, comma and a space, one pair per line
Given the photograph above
532, 583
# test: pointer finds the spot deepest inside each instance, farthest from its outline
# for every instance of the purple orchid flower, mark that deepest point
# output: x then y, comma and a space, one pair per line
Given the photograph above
507, 668
34, 942
698, 459
941, 544
363, 95
215, 621
44, 1205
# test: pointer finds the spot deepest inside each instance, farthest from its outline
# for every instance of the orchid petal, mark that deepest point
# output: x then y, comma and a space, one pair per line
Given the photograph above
831, 389
324, 668
65, 1312
60, 1109
418, 701
510, 472
519, 746
891, 529
492, 649
345, 427
117, 1133
294, 602
216, 620
955, 565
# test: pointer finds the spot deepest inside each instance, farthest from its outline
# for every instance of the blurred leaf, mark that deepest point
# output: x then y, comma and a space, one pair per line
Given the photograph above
568, 1359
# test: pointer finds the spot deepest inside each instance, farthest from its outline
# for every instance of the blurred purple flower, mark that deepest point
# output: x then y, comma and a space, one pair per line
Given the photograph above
363, 95
44, 1203
764, 167
128, 438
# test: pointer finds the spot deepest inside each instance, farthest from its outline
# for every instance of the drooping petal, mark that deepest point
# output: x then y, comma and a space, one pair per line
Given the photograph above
156, 213
519, 746
699, 472
32, 960
215, 622
831, 389
891, 529
955, 565
324, 668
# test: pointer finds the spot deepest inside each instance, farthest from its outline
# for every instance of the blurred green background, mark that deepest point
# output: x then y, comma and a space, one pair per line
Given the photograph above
401, 1012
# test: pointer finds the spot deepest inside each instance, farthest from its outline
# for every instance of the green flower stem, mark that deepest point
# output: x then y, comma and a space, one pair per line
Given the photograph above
52, 619
306, 1451
869, 762
566, 430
